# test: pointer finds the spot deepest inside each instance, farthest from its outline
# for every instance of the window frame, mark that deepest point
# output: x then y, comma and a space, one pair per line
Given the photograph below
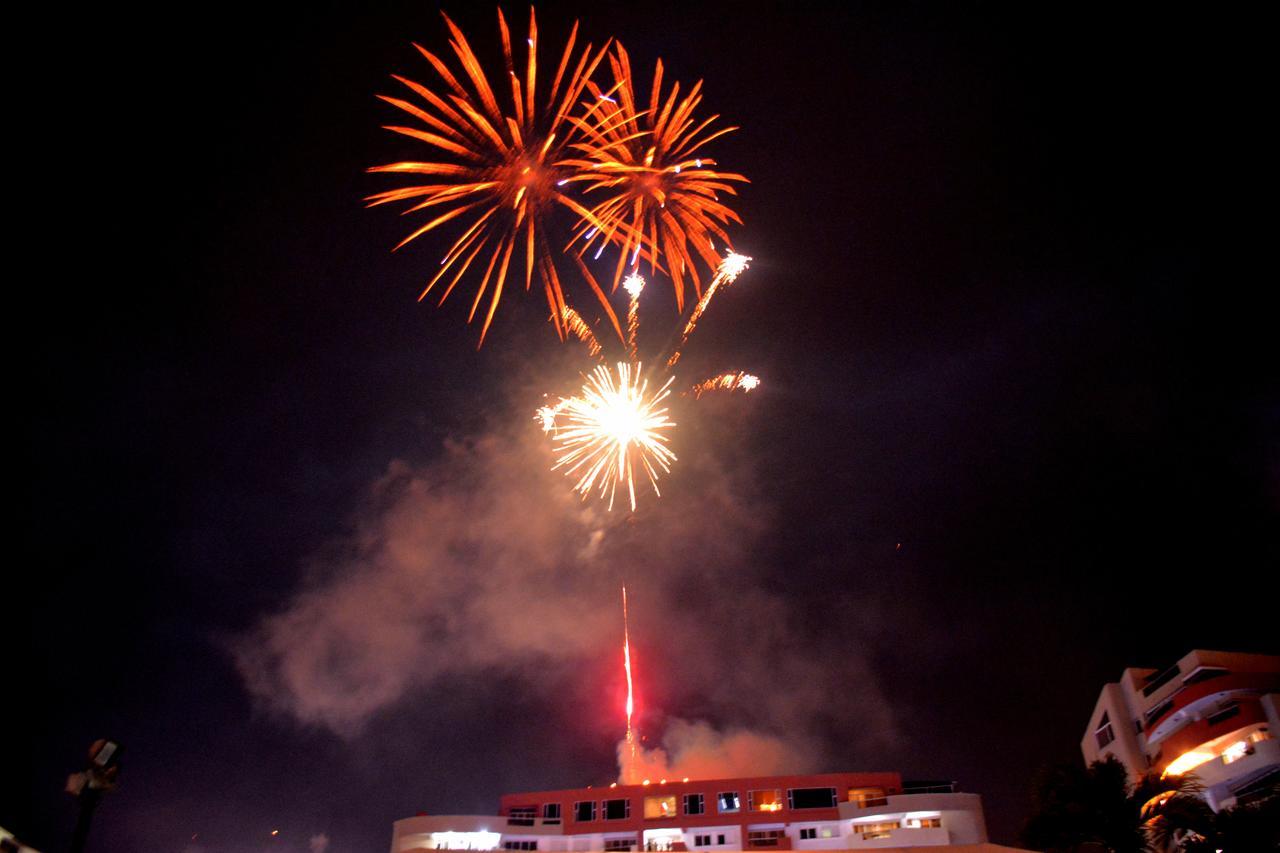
737, 797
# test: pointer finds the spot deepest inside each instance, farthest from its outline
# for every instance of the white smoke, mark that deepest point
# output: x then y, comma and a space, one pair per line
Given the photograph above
486, 560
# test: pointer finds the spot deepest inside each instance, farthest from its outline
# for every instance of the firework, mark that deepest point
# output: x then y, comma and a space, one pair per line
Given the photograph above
730, 267
662, 199
726, 382
614, 428
612, 431
497, 172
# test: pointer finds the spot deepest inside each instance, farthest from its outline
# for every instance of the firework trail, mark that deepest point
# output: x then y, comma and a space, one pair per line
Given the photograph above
626, 662
576, 326
633, 284
726, 382
732, 266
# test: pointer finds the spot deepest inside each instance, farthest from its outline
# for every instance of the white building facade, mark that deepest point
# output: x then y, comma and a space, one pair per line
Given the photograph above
1214, 714
839, 811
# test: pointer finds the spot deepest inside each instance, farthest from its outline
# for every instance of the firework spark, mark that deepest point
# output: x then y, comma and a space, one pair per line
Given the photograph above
662, 198
613, 430
726, 382
501, 169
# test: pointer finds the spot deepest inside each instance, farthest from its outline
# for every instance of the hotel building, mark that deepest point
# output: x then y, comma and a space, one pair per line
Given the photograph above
832, 811
1213, 714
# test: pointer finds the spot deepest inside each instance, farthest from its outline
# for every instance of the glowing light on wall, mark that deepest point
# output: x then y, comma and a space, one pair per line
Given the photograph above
465, 840
1187, 761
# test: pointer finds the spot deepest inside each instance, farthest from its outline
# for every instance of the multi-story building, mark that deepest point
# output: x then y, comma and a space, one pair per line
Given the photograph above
833, 811
1213, 714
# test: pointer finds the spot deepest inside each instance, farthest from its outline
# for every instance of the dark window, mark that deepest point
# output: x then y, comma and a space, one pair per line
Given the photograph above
1156, 682
522, 816
1158, 711
615, 809
693, 804
551, 813
764, 838
702, 841
1224, 713
584, 811
810, 832
619, 843
519, 845
1103, 732
719, 839
728, 801
1205, 673
811, 798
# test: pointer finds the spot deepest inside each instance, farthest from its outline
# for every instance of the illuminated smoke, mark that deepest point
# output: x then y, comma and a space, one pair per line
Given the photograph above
697, 751
481, 565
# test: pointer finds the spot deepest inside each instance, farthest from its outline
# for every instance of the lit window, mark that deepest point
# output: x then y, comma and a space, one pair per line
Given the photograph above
863, 797
876, 830
659, 807
728, 801
693, 804
769, 800
1236, 751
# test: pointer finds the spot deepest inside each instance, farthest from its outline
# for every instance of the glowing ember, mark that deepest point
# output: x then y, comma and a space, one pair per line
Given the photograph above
612, 429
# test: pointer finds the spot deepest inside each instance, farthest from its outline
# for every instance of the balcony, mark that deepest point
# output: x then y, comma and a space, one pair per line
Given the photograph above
1242, 684
931, 837
1202, 731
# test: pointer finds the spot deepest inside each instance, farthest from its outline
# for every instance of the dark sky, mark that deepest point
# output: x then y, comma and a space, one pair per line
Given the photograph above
1018, 427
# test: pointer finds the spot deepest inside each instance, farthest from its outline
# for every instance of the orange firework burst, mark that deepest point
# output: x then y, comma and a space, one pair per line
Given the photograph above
498, 172
663, 199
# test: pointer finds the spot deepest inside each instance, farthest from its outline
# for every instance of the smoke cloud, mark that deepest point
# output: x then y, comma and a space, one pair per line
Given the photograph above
695, 750
484, 561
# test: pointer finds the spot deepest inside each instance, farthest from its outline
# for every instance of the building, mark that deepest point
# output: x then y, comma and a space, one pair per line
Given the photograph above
832, 811
1211, 713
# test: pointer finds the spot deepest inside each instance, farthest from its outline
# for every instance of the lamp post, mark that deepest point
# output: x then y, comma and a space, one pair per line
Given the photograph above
90, 784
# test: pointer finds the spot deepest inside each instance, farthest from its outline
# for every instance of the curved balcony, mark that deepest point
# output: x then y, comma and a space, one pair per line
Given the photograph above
1203, 731
1238, 684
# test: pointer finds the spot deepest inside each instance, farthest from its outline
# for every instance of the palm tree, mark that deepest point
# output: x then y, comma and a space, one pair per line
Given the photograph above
1078, 809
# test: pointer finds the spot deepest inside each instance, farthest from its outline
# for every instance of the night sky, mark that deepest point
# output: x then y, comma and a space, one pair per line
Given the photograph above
290, 539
